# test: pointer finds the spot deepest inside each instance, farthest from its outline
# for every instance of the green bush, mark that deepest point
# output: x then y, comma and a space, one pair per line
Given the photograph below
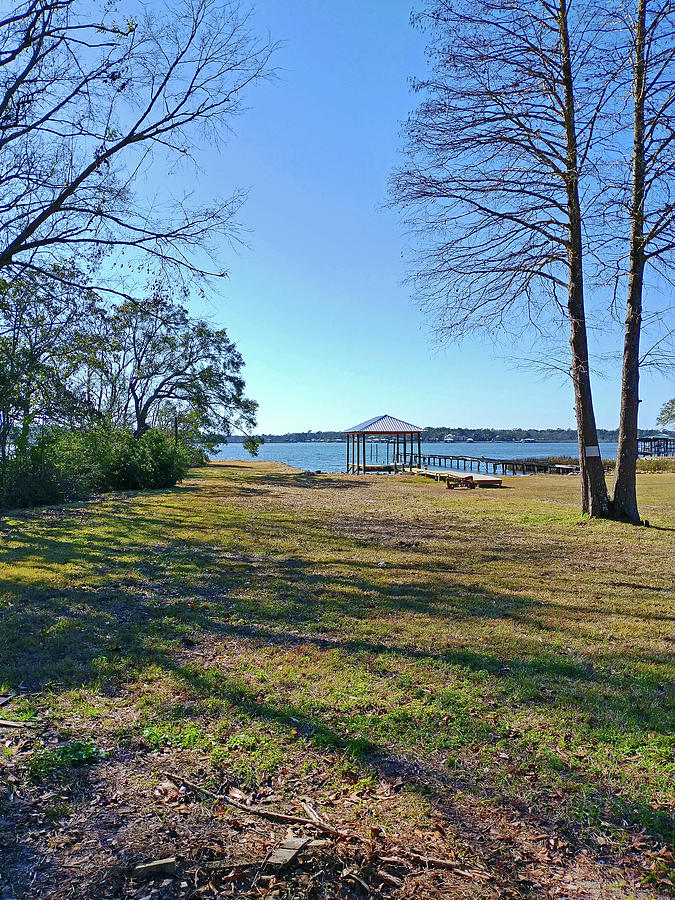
151, 461
663, 464
64, 464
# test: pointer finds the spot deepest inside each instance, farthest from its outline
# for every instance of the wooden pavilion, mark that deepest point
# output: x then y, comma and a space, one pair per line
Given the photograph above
656, 445
402, 438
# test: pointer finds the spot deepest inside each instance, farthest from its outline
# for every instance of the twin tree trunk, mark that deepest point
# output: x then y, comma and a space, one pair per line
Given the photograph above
594, 496
625, 498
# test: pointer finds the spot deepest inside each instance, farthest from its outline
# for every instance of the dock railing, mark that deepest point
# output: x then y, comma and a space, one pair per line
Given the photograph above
503, 466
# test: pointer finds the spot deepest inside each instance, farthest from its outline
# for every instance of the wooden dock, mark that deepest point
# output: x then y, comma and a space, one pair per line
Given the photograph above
505, 466
457, 478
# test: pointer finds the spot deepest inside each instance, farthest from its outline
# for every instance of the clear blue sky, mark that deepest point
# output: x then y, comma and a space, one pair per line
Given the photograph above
316, 303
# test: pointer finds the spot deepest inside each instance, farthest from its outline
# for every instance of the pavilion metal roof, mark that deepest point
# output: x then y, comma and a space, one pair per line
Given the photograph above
383, 425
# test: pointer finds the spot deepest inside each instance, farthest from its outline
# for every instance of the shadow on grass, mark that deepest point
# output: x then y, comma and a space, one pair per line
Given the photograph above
599, 803
98, 606
319, 482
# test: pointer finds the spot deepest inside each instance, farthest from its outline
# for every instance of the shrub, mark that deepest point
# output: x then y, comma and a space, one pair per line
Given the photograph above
66, 464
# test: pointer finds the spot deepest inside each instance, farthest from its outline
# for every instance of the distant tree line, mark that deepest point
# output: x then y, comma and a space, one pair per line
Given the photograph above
438, 433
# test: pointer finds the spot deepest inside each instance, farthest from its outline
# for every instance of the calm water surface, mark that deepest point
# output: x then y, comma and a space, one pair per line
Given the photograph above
333, 457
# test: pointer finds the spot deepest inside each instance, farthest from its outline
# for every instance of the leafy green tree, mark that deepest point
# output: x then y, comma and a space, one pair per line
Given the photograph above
161, 363
45, 336
667, 414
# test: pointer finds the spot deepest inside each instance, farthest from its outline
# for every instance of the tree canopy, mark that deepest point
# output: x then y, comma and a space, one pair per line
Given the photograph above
667, 414
158, 361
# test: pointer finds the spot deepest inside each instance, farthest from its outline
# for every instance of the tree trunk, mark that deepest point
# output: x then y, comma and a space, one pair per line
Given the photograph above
140, 414
594, 496
625, 496
141, 428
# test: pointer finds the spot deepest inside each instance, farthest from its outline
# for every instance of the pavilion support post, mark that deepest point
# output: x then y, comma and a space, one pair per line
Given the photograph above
405, 451
347, 454
419, 449
364, 453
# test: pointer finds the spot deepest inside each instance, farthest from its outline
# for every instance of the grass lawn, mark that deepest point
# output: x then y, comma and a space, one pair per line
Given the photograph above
477, 676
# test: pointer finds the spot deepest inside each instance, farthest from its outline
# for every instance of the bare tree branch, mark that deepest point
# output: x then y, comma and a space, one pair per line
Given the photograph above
87, 105
499, 153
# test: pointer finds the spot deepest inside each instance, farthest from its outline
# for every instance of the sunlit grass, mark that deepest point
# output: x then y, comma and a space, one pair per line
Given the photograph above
267, 620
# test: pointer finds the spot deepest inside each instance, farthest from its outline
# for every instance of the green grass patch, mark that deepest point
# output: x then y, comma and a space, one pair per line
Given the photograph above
46, 762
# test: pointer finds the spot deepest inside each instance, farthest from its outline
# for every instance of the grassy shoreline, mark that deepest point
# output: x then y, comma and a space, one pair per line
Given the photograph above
645, 466
477, 674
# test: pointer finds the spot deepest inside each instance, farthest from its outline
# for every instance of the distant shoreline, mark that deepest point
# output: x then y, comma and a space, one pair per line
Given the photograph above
330, 456
449, 436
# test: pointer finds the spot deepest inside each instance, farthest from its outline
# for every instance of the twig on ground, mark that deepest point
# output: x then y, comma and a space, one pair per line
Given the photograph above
259, 811
432, 861
388, 878
320, 824
260, 868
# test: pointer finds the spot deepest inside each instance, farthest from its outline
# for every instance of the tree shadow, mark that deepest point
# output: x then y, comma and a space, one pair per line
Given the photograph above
99, 606
322, 481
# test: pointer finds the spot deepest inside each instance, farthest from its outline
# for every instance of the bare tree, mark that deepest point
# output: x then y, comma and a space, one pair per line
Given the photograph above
497, 178
651, 208
87, 104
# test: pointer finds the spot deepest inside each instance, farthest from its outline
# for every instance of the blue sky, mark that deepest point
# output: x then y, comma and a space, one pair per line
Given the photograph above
316, 302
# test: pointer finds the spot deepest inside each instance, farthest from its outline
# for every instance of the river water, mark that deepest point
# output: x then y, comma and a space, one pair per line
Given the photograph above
332, 457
